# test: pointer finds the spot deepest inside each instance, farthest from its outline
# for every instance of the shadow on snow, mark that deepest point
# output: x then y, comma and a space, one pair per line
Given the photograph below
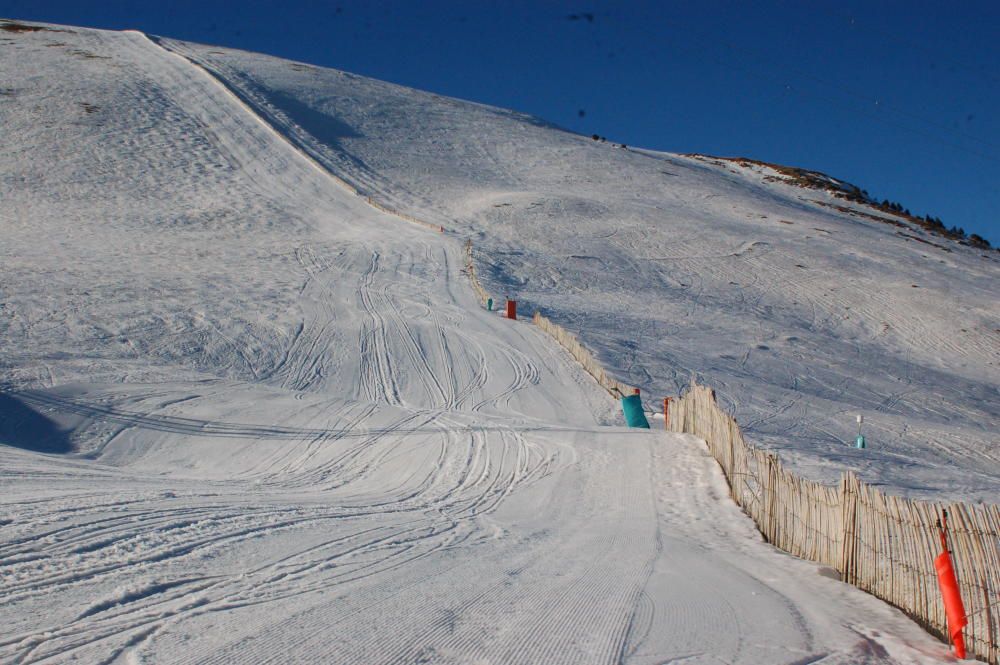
21, 426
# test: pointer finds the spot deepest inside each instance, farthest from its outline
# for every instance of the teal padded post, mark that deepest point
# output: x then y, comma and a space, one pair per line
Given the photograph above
632, 408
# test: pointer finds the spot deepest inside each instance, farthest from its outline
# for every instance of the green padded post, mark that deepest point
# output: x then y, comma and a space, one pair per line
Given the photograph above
632, 408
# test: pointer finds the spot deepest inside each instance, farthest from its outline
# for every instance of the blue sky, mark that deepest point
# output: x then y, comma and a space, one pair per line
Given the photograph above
900, 98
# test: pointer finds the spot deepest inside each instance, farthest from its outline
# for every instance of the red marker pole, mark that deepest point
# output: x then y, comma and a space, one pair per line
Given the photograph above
666, 412
512, 309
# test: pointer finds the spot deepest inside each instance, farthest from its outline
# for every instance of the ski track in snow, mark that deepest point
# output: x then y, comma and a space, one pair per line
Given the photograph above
273, 424
800, 315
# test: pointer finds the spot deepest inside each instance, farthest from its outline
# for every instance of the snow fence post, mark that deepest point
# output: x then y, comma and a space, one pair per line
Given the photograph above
849, 553
666, 413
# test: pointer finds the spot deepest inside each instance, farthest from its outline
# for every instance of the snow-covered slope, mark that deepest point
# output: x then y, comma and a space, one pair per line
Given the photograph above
800, 314
248, 418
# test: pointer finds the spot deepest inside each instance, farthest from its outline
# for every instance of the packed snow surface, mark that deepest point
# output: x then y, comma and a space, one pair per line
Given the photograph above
246, 417
801, 315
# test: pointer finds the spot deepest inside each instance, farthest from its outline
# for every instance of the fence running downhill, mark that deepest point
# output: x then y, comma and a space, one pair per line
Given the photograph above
569, 342
883, 544
402, 215
470, 269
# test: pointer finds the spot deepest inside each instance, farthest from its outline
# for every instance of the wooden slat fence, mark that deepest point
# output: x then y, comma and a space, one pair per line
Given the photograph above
402, 215
883, 544
582, 355
470, 269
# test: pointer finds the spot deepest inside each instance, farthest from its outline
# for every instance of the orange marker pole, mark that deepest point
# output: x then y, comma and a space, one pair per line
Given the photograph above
953, 607
666, 412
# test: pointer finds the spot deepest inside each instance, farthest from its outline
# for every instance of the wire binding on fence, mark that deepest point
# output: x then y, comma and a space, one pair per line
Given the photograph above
883, 544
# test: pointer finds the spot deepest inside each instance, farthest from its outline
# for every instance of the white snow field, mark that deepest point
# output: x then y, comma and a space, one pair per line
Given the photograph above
801, 316
247, 418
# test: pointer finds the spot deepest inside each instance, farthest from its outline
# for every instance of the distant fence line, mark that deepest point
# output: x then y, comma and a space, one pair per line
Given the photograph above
253, 107
402, 215
883, 544
470, 270
336, 179
569, 342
